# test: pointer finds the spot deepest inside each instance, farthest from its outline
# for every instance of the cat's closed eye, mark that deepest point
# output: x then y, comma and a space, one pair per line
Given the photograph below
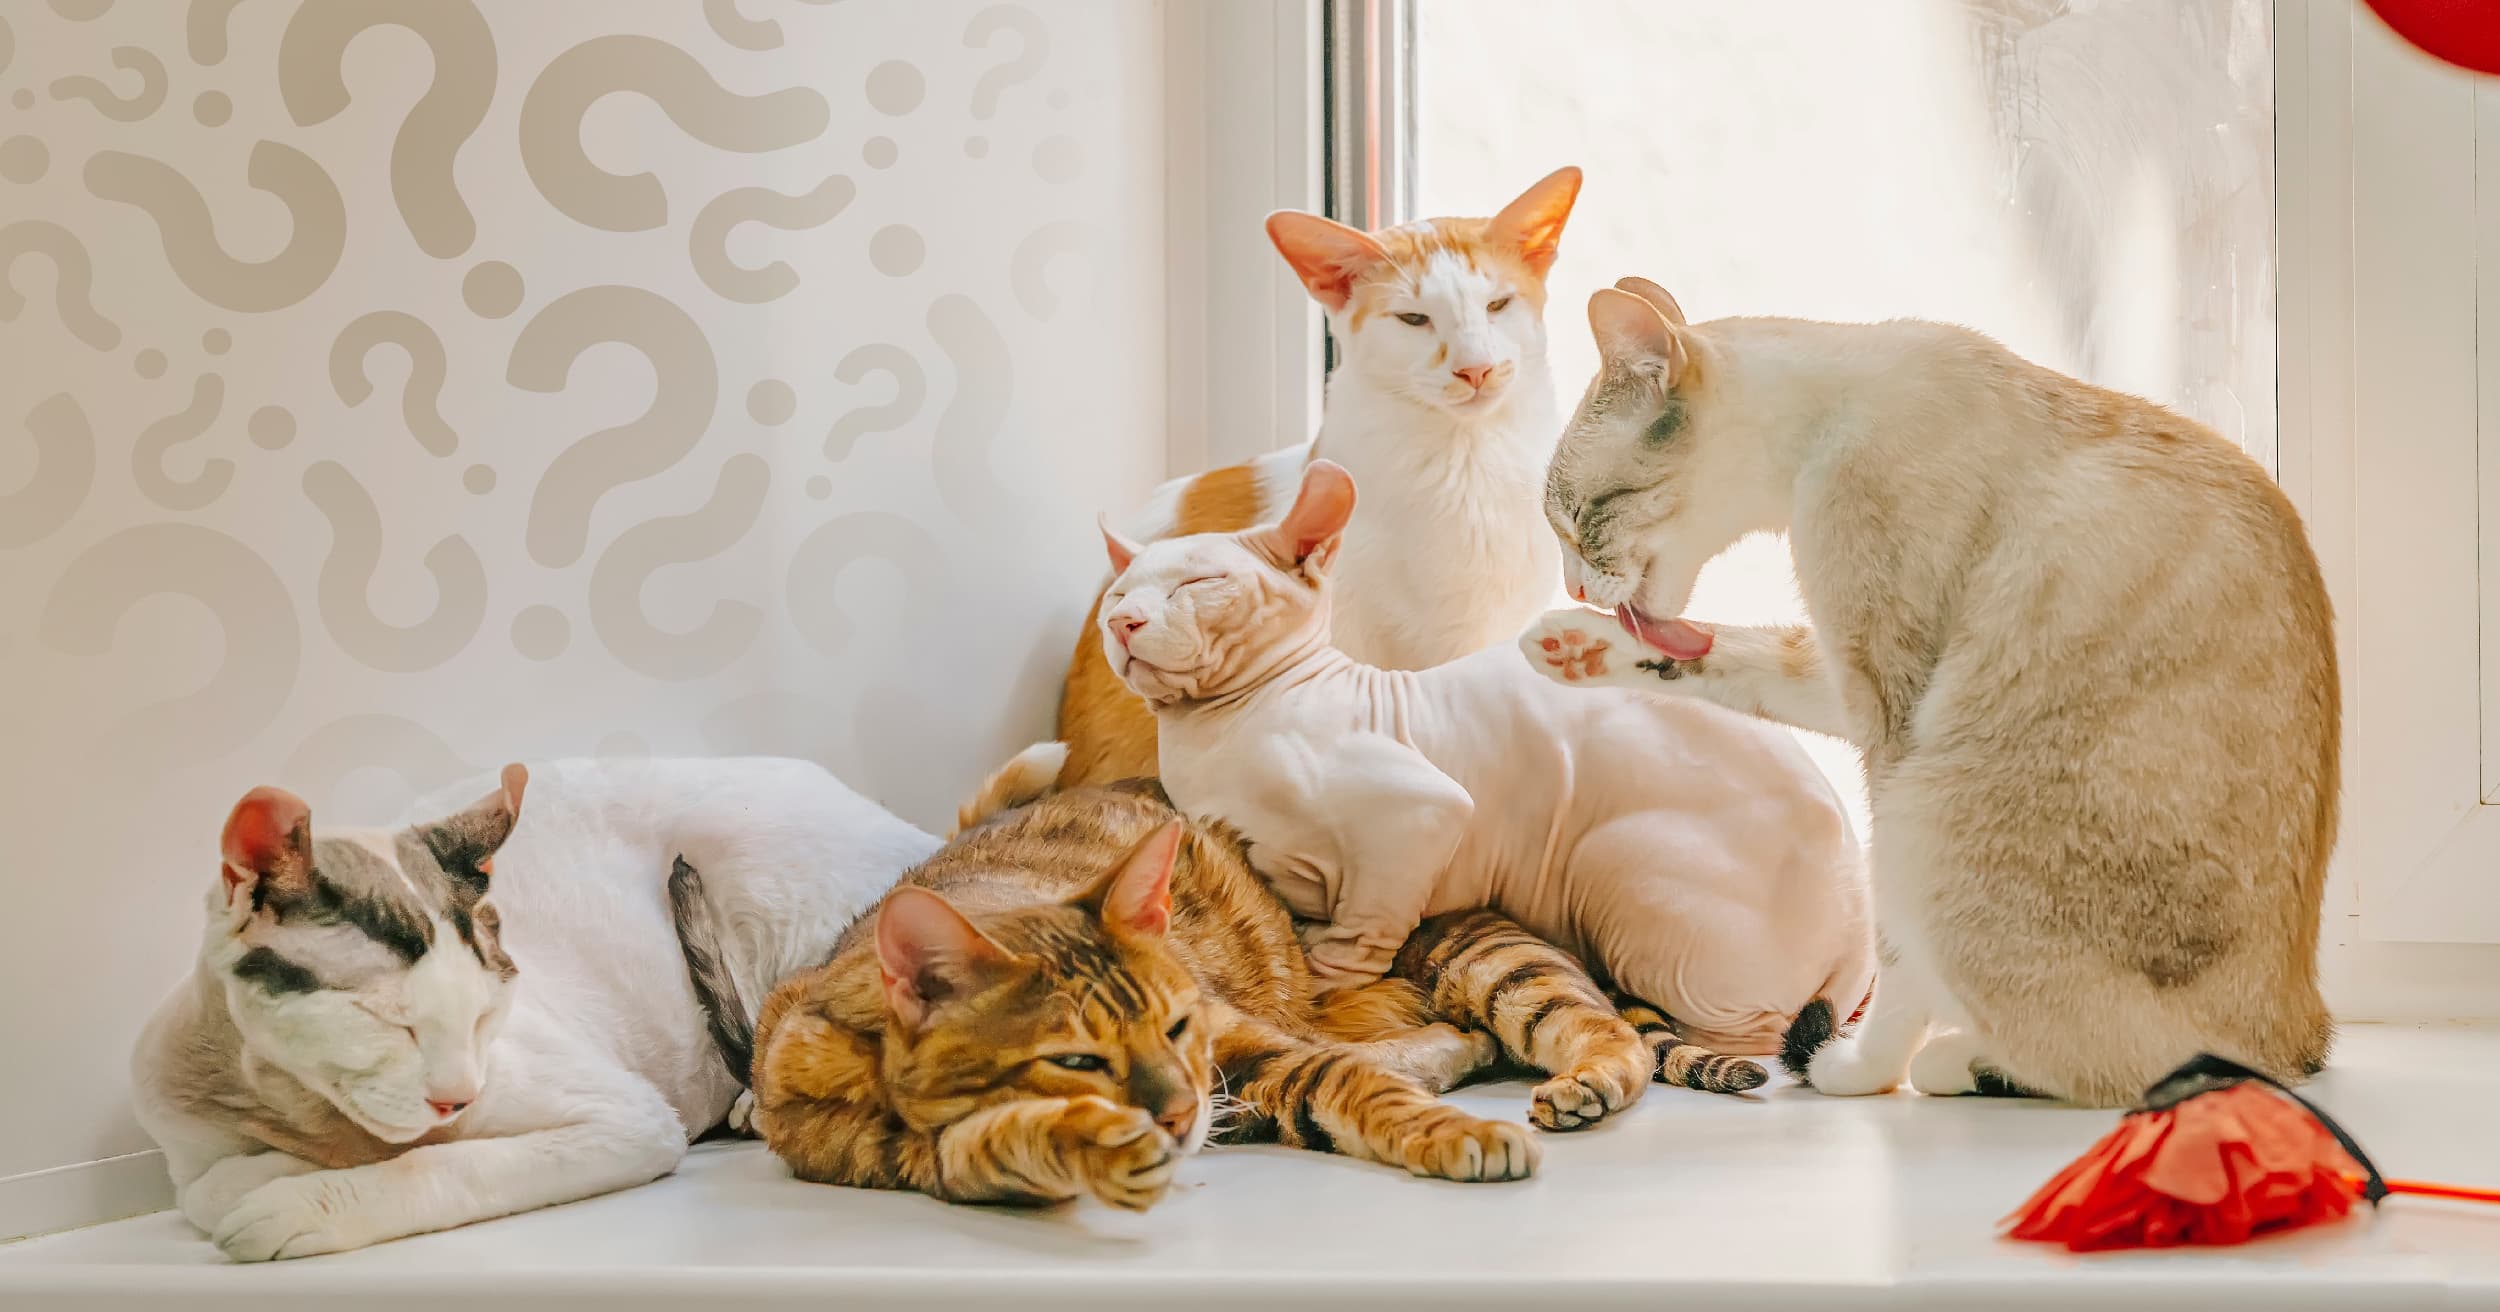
1077, 1061
1498, 306
1179, 1028
1414, 320
1207, 578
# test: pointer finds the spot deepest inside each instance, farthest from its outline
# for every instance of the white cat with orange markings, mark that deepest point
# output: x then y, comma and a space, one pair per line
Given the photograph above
1442, 406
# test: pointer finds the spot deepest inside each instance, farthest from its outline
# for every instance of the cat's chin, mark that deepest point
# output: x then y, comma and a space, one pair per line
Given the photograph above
1148, 680
383, 1130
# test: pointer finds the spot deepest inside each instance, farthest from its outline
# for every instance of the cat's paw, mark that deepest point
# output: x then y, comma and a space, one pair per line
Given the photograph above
295, 1217
1843, 1070
1118, 1154
1573, 646
1594, 1089
740, 1117
1948, 1066
1456, 1146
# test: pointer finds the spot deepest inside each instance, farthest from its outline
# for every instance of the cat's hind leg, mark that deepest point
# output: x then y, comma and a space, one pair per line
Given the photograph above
1481, 969
1392, 1022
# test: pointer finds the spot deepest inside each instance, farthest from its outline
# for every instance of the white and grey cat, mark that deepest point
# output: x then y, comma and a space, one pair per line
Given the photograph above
397, 1031
2081, 640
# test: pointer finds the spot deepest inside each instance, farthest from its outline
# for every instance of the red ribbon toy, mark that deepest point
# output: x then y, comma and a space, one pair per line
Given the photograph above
2218, 1154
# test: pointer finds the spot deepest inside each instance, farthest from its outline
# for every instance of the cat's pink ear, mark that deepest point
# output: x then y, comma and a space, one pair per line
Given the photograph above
927, 953
267, 845
1533, 224
1632, 333
1308, 538
1137, 899
1326, 255
1120, 549
1657, 297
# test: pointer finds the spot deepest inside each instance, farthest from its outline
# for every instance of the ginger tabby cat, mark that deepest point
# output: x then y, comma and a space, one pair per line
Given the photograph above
1442, 406
1045, 1009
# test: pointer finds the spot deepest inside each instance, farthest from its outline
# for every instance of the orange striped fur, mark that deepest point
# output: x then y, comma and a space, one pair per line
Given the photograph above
968, 1107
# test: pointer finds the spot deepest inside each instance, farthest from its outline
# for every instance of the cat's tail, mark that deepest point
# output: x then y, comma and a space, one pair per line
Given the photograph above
1030, 776
1819, 1022
707, 968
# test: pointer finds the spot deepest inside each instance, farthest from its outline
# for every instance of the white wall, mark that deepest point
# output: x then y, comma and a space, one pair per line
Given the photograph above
290, 585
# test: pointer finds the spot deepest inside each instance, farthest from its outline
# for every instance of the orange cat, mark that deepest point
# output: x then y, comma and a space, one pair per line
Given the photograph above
1045, 1009
1443, 409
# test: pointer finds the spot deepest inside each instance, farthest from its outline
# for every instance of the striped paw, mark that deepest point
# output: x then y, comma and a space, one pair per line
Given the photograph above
1460, 1147
1116, 1153
1592, 1090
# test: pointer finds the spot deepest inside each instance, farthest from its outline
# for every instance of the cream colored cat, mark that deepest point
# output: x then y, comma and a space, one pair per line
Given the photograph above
1442, 406
2081, 640
1695, 859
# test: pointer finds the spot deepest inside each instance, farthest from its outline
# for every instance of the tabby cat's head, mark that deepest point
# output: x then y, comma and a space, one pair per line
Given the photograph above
1443, 312
1084, 997
366, 965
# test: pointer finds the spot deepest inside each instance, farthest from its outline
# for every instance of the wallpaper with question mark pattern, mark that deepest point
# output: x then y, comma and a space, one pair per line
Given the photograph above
394, 388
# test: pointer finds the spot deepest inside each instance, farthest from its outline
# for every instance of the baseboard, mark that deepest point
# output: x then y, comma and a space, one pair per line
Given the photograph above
86, 1193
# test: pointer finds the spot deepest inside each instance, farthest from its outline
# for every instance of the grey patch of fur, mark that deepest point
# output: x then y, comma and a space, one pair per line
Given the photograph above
274, 973
352, 885
1667, 424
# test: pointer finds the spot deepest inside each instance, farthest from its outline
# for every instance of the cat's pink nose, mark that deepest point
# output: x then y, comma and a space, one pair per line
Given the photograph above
1474, 375
445, 1109
1125, 628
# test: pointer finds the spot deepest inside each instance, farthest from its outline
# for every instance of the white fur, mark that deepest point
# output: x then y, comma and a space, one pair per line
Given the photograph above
602, 1070
1449, 555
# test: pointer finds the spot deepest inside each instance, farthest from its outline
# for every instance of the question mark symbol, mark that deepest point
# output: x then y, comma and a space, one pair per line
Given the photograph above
311, 82
73, 274
911, 387
121, 109
1033, 40
420, 399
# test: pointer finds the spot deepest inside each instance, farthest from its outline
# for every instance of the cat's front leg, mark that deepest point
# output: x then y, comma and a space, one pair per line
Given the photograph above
1391, 821
207, 1198
1333, 1097
1776, 672
624, 1138
1878, 1055
1048, 1150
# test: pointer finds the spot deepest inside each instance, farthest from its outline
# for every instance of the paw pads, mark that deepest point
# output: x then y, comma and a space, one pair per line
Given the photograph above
1576, 654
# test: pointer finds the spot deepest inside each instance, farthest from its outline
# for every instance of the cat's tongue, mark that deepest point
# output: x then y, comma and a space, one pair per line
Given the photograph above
1681, 639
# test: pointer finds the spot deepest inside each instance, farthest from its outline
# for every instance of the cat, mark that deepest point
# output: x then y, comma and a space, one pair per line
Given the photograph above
2080, 640
396, 1031
1442, 405
1049, 1008
1696, 859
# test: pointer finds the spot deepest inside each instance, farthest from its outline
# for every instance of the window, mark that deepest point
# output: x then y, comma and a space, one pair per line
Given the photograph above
2094, 188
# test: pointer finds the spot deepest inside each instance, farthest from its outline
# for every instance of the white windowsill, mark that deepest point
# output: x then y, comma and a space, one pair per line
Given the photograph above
1689, 1201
